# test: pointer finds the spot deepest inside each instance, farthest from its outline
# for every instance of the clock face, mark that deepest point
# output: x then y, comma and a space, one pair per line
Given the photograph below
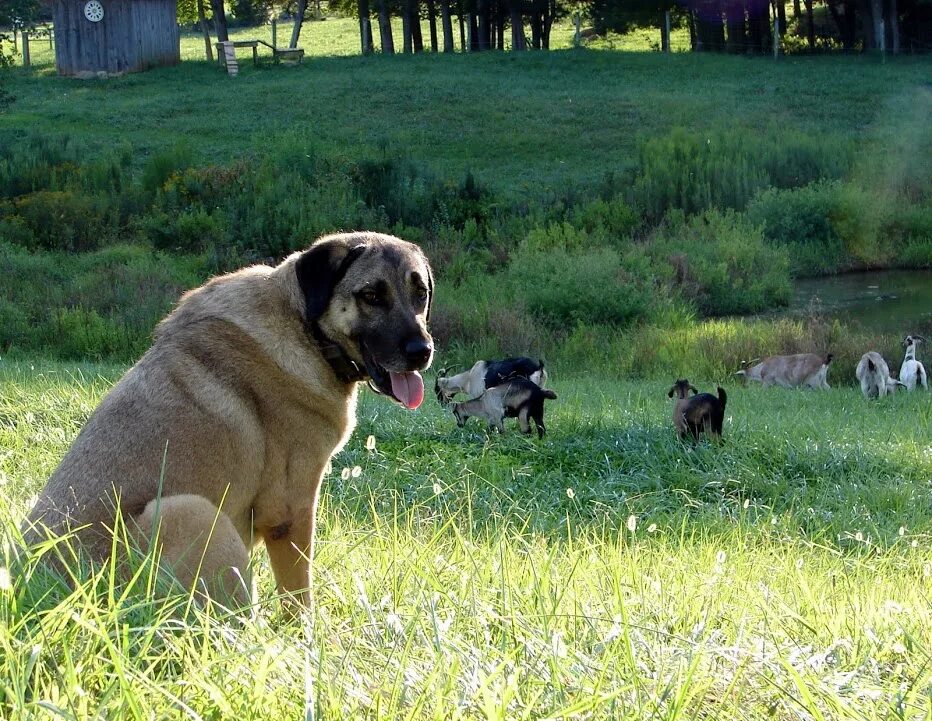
94, 11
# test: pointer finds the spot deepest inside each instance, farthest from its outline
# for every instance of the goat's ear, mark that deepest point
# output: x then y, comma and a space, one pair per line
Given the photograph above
321, 268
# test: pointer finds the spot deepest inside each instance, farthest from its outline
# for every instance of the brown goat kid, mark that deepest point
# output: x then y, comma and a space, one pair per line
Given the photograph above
700, 413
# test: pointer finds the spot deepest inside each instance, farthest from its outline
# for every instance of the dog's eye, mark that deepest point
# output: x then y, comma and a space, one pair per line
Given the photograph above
371, 297
420, 292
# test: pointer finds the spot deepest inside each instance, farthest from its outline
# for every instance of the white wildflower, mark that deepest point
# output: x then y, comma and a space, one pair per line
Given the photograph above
345, 474
652, 528
357, 471
5, 583
570, 493
370, 443
437, 489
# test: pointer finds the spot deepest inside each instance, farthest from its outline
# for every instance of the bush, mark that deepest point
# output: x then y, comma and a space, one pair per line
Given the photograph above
800, 220
692, 172
62, 220
590, 286
720, 262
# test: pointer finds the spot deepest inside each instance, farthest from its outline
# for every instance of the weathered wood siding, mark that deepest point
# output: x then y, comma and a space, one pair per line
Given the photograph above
133, 35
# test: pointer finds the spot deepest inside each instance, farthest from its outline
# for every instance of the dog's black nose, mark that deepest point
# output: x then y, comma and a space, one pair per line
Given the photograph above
418, 351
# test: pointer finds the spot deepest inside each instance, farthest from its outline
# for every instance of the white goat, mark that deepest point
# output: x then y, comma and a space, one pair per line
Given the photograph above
874, 376
912, 372
791, 371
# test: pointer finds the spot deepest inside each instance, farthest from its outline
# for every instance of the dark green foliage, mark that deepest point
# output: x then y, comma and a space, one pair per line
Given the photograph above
562, 287
693, 172
89, 305
720, 262
251, 12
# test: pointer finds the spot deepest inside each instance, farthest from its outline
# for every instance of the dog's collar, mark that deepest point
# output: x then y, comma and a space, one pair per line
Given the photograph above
345, 368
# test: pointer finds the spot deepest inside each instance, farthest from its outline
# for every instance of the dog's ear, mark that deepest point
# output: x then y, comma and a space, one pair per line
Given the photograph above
430, 285
693, 389
870, 365
671, 392
320, 269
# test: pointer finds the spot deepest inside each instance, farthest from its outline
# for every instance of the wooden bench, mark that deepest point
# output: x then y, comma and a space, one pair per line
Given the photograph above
226, 55
223, 56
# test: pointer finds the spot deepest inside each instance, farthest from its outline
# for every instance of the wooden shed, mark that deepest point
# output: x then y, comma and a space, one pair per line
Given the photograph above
95, 37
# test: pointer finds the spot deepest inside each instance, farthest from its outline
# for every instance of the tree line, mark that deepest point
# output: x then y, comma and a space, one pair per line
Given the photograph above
737, 26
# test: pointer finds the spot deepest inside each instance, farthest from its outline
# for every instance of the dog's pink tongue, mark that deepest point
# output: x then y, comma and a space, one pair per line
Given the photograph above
408, 388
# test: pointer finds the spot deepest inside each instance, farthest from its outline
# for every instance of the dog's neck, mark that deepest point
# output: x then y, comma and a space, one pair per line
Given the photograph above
344, 367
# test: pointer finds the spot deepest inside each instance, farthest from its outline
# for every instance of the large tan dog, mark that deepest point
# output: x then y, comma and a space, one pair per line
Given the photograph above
234, 412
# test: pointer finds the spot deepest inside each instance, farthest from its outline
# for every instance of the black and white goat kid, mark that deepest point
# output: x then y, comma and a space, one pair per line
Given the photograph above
912, 372
517, 398
700, 413
488, 374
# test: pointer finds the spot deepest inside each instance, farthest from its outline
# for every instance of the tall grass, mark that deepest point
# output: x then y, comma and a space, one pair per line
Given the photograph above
607, 572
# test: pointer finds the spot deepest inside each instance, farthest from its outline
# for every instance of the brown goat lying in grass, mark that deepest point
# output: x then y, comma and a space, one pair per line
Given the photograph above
702, 413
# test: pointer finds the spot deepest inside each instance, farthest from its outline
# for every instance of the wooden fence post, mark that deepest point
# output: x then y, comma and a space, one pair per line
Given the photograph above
883, 41
26, 59
468, 32
666, 24
576, 39
274, 33
776, 38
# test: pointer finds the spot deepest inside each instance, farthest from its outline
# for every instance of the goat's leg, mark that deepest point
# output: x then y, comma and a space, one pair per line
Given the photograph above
523, 420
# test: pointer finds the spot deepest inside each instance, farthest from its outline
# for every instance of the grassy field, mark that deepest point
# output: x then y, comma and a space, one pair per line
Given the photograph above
607, 572
529, 125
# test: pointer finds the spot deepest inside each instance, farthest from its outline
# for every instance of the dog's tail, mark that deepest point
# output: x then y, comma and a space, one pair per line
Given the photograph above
722, 397
828, 359
549, 394
740, 373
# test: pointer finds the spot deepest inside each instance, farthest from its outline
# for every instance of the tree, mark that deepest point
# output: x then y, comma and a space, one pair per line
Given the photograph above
298, 22
220, 20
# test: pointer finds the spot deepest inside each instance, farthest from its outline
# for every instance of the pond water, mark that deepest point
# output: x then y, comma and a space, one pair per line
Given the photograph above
875, 299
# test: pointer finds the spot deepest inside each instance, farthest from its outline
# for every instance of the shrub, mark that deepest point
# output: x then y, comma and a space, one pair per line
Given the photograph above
720, 262
613, 221
692, 172
64, 220
800, 219
590, 286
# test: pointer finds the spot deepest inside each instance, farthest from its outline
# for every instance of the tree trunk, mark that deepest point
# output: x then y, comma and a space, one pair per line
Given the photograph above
810, 25
220, 20
462, 23
473, 33
893, 27
737, 36
693, 38
298, 22
797, 11
485, 27
417, 39
406, 27
537, 30
365, 28
202, 18
517, 26
385, 30
447, 25
432, 24
550, 12
781, 16
499, 29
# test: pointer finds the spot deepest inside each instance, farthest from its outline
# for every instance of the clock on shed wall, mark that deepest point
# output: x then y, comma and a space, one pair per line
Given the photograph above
94, 11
